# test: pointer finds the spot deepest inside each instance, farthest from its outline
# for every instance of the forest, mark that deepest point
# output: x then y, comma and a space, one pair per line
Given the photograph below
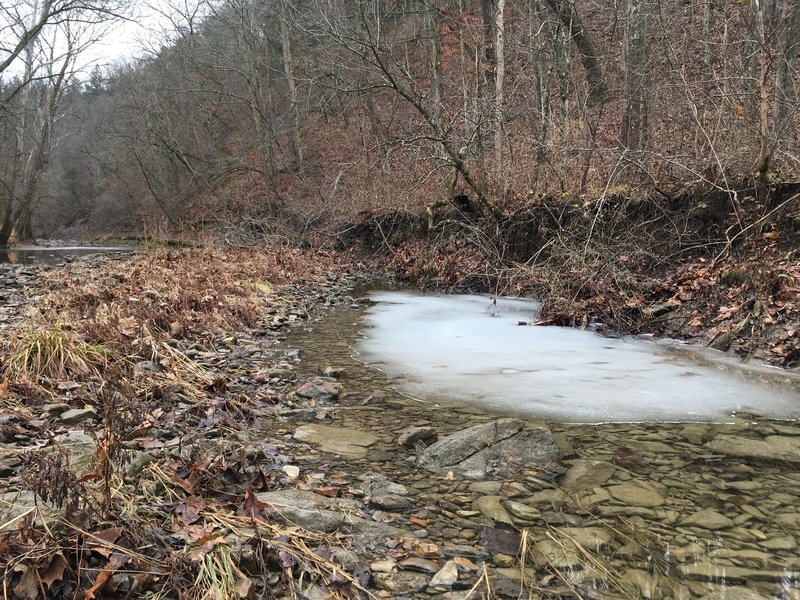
302, 118
195, 414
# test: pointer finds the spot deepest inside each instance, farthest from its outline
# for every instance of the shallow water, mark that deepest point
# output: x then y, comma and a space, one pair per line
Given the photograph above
51, 256
661, 547
471, 349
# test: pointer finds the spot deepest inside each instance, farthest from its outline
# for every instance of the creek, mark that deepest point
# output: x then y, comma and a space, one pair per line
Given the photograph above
480, 350
44, 255
693, 504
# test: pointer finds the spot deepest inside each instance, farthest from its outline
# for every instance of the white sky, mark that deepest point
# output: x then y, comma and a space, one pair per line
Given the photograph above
147, 29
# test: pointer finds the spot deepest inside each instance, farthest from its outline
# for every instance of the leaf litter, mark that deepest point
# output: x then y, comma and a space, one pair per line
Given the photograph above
163, 348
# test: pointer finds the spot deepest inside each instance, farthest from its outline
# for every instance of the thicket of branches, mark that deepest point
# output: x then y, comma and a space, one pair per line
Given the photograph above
308, 113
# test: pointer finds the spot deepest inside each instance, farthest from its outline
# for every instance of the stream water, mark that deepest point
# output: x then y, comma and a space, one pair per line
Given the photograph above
663, 509
26, 255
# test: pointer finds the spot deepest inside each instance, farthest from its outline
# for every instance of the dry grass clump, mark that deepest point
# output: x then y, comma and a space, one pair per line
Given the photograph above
54, 354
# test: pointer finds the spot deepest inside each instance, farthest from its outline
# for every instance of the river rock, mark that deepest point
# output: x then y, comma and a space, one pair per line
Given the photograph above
714, 571
343, 441
504, 443
493, 510
504, 541
391, 502
320, 389
641, 584
446, 576
550, 554
521, 511
375, 484
80, 447
772, 447
784, 542
591, 538
708, 518
636, 495
76, 415
401, 583
319, 513
412, 435
586, 474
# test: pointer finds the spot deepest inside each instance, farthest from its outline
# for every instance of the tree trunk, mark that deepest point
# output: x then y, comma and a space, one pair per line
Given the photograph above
292, 83
786, 66
634, 132
708, 52
568, 15
499, 116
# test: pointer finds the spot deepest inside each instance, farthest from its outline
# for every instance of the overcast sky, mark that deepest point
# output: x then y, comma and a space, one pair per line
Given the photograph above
144, 32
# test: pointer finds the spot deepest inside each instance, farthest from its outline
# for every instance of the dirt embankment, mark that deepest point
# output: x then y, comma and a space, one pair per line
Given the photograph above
710, 269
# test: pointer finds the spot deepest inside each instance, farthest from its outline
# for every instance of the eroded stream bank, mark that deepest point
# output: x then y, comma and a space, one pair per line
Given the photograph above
233, 436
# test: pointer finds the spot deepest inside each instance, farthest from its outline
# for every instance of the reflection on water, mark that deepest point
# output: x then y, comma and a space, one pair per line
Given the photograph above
473, 349
52, 256
645, 510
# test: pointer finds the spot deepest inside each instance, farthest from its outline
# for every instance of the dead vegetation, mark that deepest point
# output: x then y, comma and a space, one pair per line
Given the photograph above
626, 266
104, 520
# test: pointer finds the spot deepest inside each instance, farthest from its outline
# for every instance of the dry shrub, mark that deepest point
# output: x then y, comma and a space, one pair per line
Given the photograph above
54, 354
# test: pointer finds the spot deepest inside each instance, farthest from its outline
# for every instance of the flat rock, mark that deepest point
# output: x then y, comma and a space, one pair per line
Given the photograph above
76, 415
708, 518
320, 389
591, 538
493, 510
320, 513
446, 576
80, 447
424, 565
505, 443
772, 447
504, 541
586, 474
401, 582
550, 554
412, 435
391, 502
375, 484
521, 511
343, 441
635, 495
784, 542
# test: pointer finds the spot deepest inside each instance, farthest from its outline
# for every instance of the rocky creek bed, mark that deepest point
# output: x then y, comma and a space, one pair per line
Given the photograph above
406, 499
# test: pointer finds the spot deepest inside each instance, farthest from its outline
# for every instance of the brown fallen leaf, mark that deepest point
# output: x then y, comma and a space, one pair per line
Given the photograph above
55, 570
189, 510
28, 586
114, 564
101, 540
252, 507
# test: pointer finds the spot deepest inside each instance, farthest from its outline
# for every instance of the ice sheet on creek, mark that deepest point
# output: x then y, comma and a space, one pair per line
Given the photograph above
466, 348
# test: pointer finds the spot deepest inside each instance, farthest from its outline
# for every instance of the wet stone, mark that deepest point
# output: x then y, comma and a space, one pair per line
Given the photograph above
492, 509
504, 444
401, 582
391, 502
772, 447
708, 519
320, 389
586, 474
412, 435
336, 440
636, 495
